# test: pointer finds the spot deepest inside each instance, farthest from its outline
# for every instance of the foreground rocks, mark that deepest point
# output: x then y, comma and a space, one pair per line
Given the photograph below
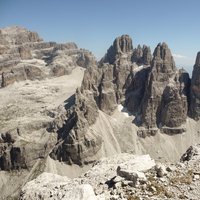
100, 177
123, 176
51, 186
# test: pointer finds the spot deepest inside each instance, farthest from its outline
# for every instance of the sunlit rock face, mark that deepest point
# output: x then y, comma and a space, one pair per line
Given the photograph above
25, 56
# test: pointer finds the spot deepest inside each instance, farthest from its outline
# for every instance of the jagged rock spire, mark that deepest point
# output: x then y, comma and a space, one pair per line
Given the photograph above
162, 59
197, 63
195, 90
122, 44
164, 102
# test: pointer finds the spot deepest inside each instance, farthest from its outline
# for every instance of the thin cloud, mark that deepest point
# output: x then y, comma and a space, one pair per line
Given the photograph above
179, 56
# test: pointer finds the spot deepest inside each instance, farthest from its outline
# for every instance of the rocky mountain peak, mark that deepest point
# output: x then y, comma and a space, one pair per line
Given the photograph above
142, 55
165, 99
121, 45
162, 59
16, 35
194, 90
197, 63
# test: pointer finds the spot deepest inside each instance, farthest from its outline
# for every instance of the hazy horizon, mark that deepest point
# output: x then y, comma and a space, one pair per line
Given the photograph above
94, 25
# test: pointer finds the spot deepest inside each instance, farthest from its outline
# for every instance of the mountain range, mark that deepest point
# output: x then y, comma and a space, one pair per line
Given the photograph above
62, 110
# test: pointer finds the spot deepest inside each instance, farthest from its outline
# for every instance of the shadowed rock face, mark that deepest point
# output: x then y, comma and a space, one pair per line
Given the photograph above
119, 76
165, 101
142, 56
75, 143
195, 90
120, 45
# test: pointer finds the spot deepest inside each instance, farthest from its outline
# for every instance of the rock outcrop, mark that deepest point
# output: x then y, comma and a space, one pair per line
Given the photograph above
16, 35
195, 90
51, 186
158, 95
118, 75
75, 143
192, 154
142, 56
121, 45
94, 184
123, 176
165, 102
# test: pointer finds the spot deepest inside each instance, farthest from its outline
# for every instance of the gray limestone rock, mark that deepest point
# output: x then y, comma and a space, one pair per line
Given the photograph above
165, 100
25, 53
16, 35
21, 46
142, 56
22, 72
195, 90
75, 143
147, 57
51, 186
121, 45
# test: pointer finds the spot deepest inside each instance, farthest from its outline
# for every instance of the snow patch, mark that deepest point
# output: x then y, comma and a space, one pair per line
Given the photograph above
123, 110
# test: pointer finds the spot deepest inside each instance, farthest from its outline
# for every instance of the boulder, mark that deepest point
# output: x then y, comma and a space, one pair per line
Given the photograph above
160, 170
134, 169
192, 153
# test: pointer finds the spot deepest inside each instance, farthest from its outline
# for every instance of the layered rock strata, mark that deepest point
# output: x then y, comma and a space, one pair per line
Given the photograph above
24, 55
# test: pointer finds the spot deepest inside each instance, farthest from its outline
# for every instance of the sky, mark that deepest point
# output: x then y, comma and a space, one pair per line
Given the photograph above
94, 24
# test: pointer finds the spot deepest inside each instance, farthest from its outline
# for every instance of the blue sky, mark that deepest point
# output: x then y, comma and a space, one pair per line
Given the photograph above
94, 24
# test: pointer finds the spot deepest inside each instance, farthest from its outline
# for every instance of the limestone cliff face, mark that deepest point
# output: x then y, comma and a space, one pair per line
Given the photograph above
16, 35
195, 90
123, 79
75, 143
165, 98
